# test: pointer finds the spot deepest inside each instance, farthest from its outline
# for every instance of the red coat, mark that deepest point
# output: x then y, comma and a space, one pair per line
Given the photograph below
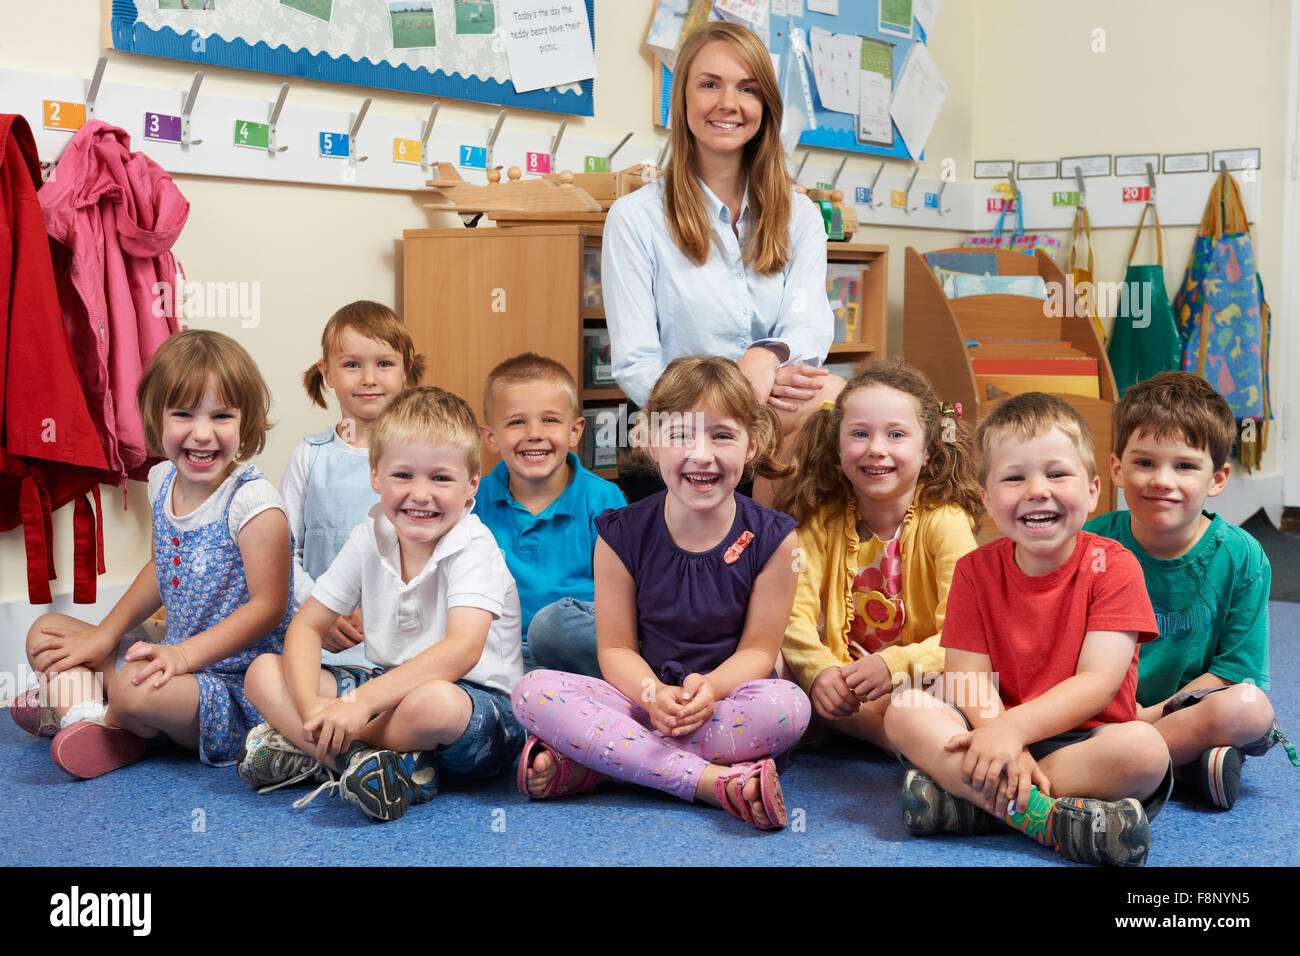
50, 452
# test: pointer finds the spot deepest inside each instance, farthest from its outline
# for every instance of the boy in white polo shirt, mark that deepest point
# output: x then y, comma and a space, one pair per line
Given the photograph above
441, 617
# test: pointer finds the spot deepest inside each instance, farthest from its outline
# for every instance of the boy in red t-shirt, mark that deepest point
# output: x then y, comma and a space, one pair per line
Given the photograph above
1041, 638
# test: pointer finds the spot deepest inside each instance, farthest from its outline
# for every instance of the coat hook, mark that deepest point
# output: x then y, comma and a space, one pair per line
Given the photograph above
492, 139
92, 93
275, 118
609, 157
555, 141
425, 130
355, 130
943, 184
908, 208
872, 203
187, 110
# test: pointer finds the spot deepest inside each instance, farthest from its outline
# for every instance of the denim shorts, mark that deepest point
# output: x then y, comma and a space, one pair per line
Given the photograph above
491, 741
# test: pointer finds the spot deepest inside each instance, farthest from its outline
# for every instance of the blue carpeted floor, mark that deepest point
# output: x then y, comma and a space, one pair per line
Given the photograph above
172, 811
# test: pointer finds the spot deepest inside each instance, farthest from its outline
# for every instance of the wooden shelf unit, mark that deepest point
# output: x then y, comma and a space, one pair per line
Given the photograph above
941, 327
873, 304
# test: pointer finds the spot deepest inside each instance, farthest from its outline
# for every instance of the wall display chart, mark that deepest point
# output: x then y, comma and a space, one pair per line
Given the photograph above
443, 48
851, 97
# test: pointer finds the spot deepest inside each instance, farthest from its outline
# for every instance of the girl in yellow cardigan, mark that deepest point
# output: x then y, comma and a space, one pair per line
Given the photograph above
887, 500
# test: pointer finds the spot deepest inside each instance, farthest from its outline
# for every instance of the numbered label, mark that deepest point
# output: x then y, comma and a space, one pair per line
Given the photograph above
825, 187
1136, 193
61, 115
997, 204
1065, 198
406, 151
931, 200
162, 128
537, 163
595, 164
333, 144
898, 198
862, 194
253, 135
473, 157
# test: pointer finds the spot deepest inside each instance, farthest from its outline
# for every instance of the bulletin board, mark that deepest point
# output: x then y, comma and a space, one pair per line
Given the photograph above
347, 41
834, 130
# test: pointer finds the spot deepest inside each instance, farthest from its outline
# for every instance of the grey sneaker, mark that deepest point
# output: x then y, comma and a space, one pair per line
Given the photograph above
268, 761
1216, 776
382, 784
1098, 831
929, 809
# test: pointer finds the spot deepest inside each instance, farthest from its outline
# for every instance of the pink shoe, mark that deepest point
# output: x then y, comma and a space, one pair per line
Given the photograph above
28, 714
88, 748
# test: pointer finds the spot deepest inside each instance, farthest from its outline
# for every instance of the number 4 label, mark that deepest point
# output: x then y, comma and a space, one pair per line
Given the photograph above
252, 135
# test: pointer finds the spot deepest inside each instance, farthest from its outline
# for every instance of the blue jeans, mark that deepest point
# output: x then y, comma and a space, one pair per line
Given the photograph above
562, 637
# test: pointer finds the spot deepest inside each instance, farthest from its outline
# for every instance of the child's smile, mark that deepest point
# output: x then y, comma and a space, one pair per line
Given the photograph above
1039, 494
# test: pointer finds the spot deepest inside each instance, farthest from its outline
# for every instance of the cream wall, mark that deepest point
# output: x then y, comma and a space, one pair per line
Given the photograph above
1006, 80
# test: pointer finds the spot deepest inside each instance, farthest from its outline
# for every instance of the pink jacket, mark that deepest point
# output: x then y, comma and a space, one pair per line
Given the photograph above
114, 216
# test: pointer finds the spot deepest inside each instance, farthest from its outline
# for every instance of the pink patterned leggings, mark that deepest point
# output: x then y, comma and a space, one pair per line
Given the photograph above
594, 724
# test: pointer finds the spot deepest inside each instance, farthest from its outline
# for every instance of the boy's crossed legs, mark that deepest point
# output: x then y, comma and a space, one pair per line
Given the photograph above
1209, 741
1123, 768
392, 764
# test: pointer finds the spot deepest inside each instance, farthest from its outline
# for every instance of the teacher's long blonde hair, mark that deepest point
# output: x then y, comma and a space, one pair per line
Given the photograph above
768, 248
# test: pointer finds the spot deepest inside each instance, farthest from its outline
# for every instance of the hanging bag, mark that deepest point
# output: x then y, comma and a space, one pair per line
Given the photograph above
1144, 339
1083, 274
1223, 319
1016, 242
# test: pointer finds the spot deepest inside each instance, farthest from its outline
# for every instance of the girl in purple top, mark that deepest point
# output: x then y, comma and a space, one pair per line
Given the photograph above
694, 587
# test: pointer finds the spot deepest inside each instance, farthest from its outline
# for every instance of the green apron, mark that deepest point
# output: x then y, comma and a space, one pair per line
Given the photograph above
1144, 339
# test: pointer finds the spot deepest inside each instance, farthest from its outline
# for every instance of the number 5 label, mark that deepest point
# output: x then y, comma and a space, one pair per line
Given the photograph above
334, 144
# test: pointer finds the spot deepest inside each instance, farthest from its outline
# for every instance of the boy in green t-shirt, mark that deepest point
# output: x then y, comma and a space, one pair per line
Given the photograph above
1208, 581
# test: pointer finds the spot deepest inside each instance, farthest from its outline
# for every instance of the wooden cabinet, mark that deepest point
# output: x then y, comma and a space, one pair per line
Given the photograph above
473, 297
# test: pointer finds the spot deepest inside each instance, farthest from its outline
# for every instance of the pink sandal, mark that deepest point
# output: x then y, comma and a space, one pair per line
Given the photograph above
89, 748
28, 714
769, 788
559, 785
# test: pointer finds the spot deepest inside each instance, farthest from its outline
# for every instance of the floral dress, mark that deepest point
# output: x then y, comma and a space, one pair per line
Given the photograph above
201, 581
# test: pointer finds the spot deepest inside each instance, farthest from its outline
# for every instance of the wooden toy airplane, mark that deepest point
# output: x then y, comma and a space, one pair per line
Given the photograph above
607, 187
539, 196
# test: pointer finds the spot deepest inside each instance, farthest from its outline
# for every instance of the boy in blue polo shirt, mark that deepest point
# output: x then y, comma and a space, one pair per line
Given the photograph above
540, 504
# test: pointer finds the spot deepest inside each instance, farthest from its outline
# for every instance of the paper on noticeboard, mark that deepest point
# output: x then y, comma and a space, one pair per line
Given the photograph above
548, 42
875, 90
665, 33
796, 92
747, 13
836, 64
917, 99
925, 12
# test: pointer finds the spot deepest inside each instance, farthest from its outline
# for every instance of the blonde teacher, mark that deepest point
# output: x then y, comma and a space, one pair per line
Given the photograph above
720, 255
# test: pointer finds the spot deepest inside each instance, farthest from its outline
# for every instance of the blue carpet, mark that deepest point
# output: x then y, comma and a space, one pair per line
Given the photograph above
170, 810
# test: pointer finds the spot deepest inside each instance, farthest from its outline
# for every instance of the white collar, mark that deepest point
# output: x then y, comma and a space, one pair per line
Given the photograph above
457, 538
